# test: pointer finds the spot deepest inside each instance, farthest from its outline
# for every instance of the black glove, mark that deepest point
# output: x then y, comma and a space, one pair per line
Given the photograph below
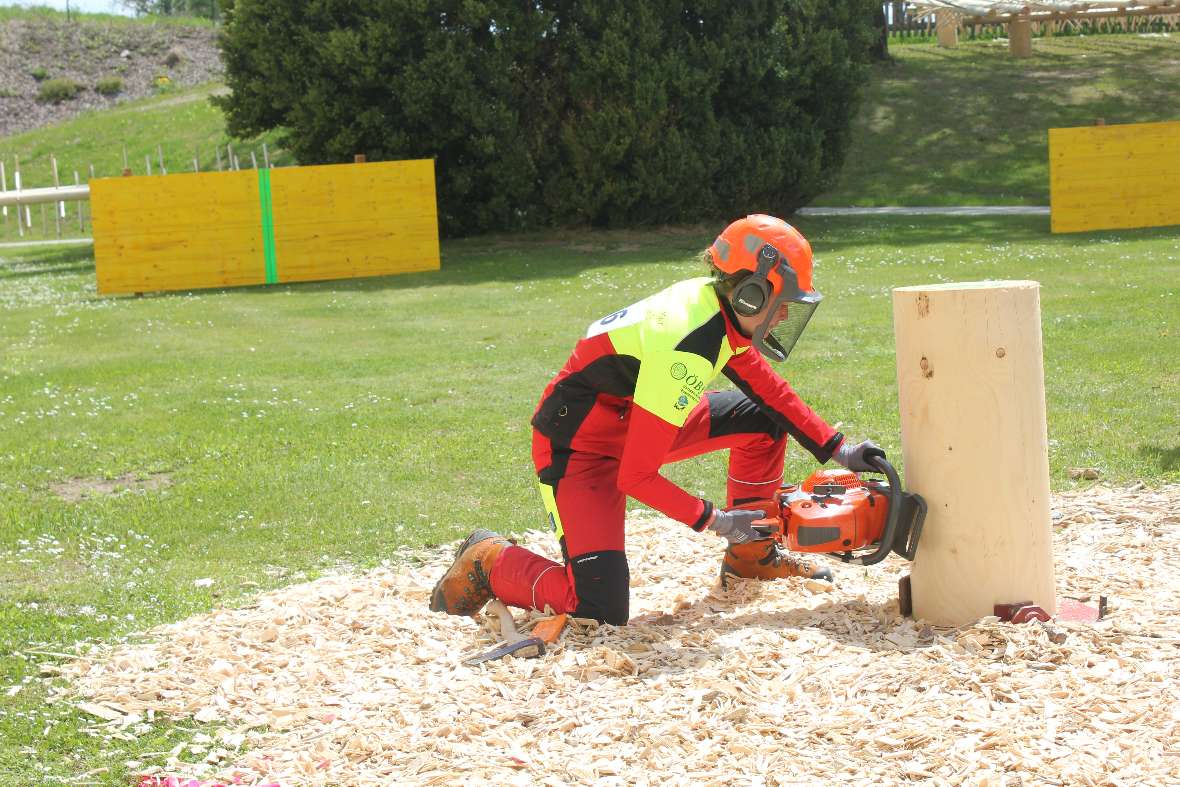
856, 457
734, 526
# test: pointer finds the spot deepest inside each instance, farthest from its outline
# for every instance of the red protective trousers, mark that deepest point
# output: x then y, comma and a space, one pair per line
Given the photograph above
590, 508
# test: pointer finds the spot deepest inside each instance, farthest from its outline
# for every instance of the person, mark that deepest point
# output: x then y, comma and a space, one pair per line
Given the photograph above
632, 397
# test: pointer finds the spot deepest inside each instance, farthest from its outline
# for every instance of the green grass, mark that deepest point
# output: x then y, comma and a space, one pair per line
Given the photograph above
969, 126
9, 12
306, 427
183, 123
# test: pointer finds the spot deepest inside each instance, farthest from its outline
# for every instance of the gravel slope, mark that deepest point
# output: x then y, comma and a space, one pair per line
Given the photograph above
86, 52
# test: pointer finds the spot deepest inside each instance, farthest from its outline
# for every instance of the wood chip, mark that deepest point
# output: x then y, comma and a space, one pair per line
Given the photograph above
351, 680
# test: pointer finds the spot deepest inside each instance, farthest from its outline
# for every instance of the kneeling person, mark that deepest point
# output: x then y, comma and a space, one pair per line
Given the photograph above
632, 398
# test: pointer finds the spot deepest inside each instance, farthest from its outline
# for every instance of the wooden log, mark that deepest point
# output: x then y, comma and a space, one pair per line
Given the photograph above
1020, 36
947, 26
971, 388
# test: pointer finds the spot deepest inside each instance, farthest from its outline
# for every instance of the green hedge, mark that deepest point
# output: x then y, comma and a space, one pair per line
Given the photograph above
587, 112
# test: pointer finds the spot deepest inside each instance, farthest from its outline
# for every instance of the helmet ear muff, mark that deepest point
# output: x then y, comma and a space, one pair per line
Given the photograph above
749, 298
752, 295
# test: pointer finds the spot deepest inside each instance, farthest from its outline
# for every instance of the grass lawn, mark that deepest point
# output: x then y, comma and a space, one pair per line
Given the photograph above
269, 434
969, 126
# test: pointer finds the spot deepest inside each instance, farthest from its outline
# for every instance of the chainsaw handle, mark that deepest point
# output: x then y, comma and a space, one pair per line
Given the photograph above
882, 466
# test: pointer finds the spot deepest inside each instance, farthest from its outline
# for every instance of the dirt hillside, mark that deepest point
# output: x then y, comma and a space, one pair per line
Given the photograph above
146, 58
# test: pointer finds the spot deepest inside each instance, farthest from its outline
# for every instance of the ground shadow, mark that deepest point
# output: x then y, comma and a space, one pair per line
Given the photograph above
1167, 458
840, 620
56, 260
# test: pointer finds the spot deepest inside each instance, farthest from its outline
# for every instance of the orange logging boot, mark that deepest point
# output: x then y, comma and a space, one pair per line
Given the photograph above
466, 587
765, 559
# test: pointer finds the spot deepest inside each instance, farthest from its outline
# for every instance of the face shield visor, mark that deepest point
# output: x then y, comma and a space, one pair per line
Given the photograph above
787, 315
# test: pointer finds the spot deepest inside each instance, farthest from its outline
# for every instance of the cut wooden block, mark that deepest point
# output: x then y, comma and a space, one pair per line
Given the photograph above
972, 395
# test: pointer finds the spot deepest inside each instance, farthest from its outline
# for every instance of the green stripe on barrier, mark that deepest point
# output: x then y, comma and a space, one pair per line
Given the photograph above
268, 226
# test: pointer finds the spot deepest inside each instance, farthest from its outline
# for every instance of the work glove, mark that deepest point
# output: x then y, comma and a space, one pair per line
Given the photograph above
856, 457
735, 526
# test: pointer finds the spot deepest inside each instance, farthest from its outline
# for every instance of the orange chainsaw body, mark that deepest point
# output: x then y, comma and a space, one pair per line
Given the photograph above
832, 511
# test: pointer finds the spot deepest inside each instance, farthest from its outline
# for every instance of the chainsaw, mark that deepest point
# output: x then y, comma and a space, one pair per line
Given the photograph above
841, 514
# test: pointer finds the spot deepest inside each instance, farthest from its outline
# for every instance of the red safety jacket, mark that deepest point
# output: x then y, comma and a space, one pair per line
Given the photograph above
632, 380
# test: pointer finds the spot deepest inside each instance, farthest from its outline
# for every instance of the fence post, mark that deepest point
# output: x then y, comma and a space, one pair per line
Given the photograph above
59, 209
20, 229
78, 182
947, 25
1020, 36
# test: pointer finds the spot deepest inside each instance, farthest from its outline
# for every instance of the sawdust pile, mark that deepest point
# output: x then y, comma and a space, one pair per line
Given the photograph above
350, 680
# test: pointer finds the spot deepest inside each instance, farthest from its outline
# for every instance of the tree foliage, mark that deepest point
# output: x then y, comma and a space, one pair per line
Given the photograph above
557, 112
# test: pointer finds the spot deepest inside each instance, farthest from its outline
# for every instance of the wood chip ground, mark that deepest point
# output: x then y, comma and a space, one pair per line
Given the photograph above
350, 680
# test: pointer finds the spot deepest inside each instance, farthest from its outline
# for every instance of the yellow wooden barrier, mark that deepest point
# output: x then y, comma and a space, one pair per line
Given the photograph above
225, 229
1114, 177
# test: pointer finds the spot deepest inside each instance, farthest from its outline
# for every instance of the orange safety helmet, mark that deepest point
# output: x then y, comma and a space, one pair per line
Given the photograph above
779, 261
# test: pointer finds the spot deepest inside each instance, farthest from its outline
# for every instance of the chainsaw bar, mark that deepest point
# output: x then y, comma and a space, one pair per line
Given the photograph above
909, 525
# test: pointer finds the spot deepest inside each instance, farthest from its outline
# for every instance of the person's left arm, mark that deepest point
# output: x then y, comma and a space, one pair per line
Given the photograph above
753, 376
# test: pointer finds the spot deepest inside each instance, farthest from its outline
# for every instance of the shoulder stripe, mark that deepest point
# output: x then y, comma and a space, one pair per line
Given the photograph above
705, 341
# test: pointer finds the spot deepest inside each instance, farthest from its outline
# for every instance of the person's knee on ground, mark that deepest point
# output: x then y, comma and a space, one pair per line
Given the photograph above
602, 582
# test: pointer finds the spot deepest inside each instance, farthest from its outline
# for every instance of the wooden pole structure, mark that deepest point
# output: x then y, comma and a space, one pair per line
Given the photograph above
78, 182
20, 228
3, 188
971, 387
59, 210
1020, 36
947, 26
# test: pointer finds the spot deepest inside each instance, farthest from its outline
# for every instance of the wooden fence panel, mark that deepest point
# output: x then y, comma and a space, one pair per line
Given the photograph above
265, 226
1114, 177
176, 232
346, 220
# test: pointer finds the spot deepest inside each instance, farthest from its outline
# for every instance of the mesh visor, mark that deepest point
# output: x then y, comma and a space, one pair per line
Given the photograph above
776, 342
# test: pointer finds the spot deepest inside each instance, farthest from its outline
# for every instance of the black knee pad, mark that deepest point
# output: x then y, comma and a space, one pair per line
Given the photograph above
602, 582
